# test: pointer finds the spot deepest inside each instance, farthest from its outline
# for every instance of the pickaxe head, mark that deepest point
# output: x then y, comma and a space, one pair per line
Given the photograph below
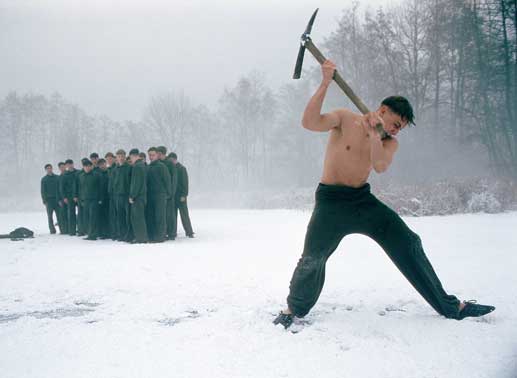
305, 37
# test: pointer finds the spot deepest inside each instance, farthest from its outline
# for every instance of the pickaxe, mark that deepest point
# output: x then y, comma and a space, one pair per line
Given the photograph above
306, 43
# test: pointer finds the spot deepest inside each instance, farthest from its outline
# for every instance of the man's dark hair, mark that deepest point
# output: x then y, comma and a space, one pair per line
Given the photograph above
142, 155
152, 149
94, 155
60, 164
134, 151
109, 154
173, 155
162, 150
101, 161
401, 106
69, 161
121, 152
86, 162
48, 165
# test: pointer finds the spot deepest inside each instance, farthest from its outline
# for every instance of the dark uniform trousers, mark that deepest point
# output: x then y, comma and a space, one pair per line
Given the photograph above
171, 218
113, 217
156, 208
52, 207
82, 226
90, 215
103, 227
122, 216
342, 210
138, 224
185, 218
62, 218
72, 218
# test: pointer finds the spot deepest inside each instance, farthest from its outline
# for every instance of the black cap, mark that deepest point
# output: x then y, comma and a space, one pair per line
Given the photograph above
69, 161
134, 151
94, 155
173, 155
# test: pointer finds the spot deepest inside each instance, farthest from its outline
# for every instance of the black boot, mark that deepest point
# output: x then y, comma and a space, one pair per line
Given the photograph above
472, 309
285, 319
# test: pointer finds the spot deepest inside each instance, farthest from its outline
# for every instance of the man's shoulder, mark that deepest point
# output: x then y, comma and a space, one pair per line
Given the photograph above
347, 117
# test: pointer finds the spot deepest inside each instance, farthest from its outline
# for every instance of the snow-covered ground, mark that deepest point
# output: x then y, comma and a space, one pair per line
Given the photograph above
203, 307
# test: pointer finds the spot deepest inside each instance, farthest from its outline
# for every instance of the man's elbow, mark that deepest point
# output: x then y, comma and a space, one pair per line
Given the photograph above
306, 124
380, 166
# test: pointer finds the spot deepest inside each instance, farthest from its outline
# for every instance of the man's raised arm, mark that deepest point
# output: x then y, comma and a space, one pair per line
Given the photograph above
312, 117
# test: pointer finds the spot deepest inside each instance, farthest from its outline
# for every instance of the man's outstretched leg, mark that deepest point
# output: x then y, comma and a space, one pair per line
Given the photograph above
325, 230
404, 247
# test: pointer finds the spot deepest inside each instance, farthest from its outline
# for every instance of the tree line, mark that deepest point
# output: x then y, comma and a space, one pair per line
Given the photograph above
455, 60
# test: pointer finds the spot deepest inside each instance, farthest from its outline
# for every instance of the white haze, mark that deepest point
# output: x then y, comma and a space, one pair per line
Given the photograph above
110, 57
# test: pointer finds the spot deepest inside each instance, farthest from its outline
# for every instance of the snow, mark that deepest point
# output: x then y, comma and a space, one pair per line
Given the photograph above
203, 307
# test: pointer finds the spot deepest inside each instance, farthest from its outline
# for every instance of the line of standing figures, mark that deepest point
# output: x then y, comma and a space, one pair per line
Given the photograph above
119, 197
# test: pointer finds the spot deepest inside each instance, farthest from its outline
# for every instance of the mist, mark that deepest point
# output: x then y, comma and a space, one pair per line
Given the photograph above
212, 82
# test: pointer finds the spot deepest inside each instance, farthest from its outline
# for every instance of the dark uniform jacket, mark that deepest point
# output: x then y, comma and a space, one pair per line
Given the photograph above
121, 179
158, 179
89, 186
69, 184
138, 187
174, 175
103, 185
182, 190
49, 187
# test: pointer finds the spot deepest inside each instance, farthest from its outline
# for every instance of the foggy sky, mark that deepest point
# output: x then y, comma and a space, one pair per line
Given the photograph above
110, 57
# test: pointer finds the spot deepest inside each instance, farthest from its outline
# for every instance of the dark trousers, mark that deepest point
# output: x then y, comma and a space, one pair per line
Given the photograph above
52, 207
72, 218
122, 216
81, 224
342, 210
113, 217
156, 207
138, 223
171, 218
103, 226
62, 217
185, 218
90, 216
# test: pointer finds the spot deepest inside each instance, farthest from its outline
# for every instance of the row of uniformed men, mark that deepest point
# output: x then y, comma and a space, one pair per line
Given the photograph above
120, 197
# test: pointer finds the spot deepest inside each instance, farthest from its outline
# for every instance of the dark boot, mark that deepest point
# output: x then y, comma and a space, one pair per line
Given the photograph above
474, 310
285, 319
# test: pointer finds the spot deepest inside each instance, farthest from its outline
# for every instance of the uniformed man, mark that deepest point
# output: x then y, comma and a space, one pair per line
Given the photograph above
81, 225
120, 187
181, 196
68, 188
158, 189
170, 212
89, 187
104, 219
138, 197
110, 162
49, 195
94, 158
143, 157
62, 207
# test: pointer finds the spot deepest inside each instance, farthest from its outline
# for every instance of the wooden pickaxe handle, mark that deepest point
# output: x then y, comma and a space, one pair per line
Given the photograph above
344, 86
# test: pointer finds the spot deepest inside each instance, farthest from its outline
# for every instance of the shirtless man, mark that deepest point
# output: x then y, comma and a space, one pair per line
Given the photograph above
345, 205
